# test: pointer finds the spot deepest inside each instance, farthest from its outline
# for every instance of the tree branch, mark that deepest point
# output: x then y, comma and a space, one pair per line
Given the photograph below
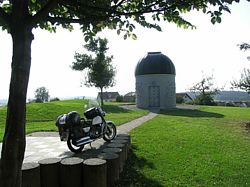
43, 12
141, 12
4, 17
119, 3
97, 18
54, 20
85, 5
102, 13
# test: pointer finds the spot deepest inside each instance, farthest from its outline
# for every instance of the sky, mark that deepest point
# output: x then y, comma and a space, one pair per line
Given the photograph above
205, 51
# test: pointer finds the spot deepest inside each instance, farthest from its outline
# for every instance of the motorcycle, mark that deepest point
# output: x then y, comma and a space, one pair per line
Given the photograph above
79, 131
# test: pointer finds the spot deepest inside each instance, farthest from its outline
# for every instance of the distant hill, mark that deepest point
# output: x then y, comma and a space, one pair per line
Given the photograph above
3, 102
234, 96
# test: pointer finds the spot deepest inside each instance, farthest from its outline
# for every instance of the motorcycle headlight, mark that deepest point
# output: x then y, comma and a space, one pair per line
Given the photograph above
61, 120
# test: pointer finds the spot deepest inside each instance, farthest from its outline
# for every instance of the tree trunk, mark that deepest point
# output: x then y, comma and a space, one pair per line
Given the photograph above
14, 138
102, 96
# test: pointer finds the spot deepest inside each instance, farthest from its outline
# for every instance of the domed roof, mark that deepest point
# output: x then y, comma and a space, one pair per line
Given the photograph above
155, 63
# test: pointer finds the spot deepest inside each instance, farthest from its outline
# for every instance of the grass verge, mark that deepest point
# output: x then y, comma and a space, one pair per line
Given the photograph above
42, 116
205, 147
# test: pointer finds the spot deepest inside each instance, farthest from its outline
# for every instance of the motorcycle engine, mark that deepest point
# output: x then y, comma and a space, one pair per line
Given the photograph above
95, 131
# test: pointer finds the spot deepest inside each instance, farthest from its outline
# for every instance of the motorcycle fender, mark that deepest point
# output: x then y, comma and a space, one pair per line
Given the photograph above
109, 122
64, 136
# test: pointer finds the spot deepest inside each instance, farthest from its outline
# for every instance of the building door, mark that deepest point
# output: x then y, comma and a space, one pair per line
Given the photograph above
154, 96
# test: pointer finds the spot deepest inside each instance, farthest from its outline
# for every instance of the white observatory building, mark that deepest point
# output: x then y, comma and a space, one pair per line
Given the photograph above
155, 82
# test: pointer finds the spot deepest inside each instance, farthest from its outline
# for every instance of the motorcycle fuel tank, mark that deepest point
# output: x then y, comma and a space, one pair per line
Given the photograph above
96, 120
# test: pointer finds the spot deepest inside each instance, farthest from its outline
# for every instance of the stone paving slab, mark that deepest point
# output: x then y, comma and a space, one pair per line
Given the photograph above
125, 128
38, 148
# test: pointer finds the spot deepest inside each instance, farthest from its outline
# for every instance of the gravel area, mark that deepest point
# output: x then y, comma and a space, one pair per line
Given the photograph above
129, 107
43, 134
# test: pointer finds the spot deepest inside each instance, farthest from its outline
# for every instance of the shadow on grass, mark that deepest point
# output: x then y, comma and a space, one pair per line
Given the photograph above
132, 174
190, 113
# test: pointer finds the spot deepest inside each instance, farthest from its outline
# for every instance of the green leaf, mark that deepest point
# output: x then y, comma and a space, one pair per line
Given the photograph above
158, 28
130, 28
218, 19
134, 37
213, 20
125, 36
86, 38
217, 13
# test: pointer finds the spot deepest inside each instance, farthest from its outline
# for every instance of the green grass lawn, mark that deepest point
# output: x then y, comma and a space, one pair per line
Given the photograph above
42, 116
205, 147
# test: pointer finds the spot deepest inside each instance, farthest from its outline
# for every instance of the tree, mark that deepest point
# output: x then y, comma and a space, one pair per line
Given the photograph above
205, 91
179, 99
20, 17
119, 98
245, 46
244, 82
42, 95
100, 72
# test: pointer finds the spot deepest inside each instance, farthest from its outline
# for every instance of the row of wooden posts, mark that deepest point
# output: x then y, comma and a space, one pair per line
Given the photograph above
102, 170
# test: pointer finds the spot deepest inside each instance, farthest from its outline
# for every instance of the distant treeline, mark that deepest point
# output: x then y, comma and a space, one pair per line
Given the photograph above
232, 96
3, 102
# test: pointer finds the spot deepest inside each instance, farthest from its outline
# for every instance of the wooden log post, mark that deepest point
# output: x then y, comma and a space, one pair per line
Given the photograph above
126, 147
71, 172
95, 172
124, 137
0, 171
31, 174
49, 172
117, 151
112, 167
122, 147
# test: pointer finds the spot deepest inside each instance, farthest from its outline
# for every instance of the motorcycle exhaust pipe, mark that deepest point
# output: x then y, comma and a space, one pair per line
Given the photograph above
83, 141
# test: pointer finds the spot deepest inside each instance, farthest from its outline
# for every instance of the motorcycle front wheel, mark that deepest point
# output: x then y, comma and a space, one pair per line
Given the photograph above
110, 132
73, 148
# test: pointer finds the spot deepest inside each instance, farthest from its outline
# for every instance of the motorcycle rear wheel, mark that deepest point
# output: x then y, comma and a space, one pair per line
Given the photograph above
110, 133
74, 149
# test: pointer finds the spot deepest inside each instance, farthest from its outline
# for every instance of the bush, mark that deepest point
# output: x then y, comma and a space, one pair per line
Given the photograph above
54, 99
232, 104
39, 100
179, 99
119, 98
205, 99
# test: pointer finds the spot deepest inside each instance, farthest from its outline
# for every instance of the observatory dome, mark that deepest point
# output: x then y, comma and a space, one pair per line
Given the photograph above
155, 63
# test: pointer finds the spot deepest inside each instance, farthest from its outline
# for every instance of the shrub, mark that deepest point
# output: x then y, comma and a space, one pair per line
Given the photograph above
232, 104
179, 99
119, 98
54, 99
39, 100
205, 99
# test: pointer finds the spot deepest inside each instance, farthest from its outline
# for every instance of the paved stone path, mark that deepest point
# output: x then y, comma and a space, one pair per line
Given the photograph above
38, 148
125, 128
